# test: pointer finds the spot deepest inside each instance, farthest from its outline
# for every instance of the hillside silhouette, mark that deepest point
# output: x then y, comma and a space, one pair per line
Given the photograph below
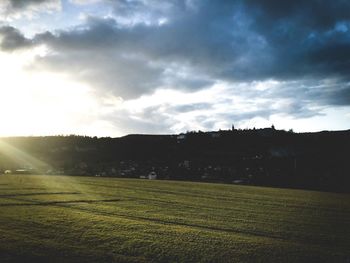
266, 157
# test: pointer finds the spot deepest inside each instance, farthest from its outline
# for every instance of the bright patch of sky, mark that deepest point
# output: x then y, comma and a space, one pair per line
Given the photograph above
44, 103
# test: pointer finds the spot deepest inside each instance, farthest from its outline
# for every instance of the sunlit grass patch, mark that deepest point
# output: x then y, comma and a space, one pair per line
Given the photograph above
124, 220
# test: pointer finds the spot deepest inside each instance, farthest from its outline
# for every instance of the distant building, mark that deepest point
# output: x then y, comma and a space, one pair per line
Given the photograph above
152, 176
22, 171
186, 164
181, 136
238, 181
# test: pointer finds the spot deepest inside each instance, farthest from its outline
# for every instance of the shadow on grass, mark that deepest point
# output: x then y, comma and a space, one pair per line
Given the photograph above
53, 203
22, 188
31, 194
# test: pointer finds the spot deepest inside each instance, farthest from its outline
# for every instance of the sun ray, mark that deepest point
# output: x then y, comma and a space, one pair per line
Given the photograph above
22, 158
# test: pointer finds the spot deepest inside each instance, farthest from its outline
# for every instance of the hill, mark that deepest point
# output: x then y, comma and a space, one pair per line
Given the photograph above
266, 157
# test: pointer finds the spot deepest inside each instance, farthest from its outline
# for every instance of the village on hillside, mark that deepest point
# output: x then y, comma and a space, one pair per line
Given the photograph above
253, 156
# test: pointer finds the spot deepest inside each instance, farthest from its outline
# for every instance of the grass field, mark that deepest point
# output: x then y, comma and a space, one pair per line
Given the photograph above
85, 219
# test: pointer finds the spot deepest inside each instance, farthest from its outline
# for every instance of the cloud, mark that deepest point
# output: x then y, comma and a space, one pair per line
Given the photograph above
15, 9
313, 14
12, 39
192, 107
20, 4
85, 2
213, 108
303, 36
226, 41
296, 53
126, 62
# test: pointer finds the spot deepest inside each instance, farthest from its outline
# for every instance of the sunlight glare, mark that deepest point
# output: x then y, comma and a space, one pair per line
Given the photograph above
42, 102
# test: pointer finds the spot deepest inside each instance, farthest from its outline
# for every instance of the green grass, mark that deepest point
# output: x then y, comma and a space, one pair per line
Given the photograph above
85, 219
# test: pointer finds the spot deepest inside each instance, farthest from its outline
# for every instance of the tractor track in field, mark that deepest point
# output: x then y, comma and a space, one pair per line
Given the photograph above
217, 198
22, 188
41, 193
53, 203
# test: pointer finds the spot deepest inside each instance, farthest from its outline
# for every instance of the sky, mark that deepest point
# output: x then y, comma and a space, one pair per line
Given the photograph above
116, 67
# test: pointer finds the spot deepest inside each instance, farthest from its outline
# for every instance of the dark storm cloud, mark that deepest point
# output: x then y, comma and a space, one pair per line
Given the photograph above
312, 14
12, 39
128, 61
201, 42
337, 94
100, 54
303, 37
157, 48
19, 4
331, 58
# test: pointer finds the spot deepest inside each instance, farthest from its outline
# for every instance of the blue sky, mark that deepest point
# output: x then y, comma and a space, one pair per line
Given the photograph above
114, 67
